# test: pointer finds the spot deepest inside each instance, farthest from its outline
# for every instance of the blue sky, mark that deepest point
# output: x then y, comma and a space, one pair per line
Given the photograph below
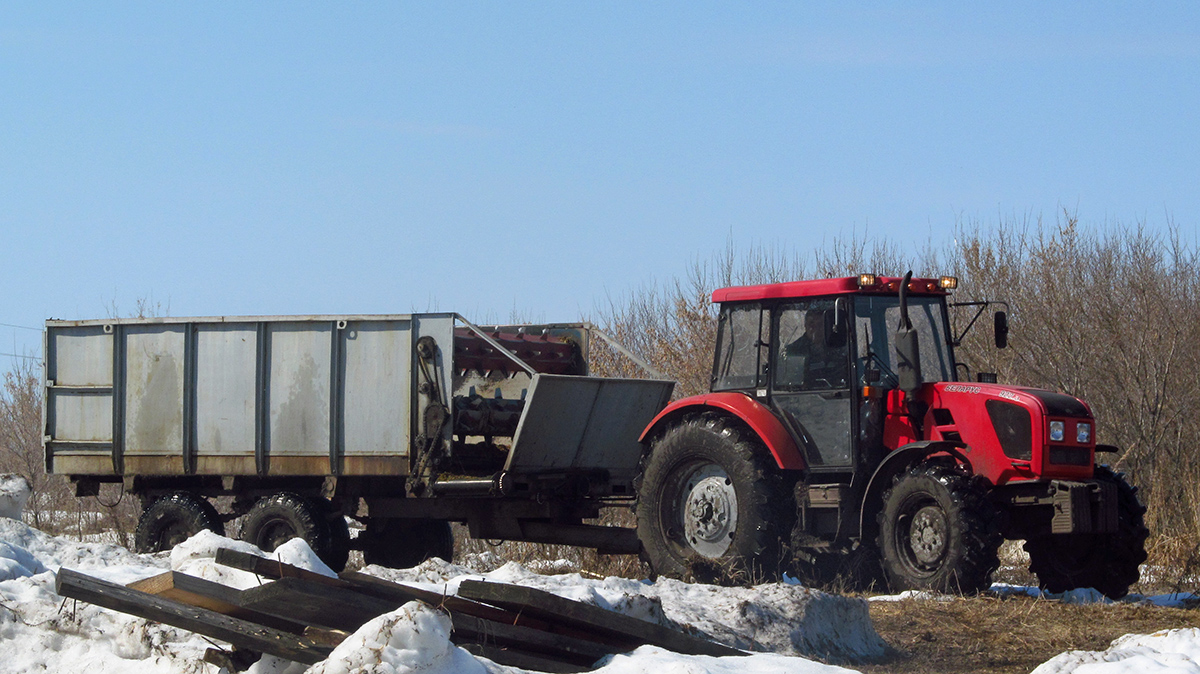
275, 158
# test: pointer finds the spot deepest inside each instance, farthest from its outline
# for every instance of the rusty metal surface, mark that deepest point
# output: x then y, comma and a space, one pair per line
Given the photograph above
83, 464
150, 464
210, 464
375, 465
585, 423
310, 464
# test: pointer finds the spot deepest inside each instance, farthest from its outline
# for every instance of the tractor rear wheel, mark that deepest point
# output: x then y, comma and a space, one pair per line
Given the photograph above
711, 503
277, 519
1107, 562
174, 518
938, 531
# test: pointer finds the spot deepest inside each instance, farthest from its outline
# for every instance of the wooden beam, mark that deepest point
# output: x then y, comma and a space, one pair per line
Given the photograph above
316, 603
270, 568
469, 629
554, 608
195, 591
238, 632
514, 657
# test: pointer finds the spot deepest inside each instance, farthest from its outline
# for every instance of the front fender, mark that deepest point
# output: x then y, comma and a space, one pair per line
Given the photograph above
754, 414
898, 462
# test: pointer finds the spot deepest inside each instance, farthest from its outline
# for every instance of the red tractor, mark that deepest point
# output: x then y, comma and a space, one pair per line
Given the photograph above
837, 430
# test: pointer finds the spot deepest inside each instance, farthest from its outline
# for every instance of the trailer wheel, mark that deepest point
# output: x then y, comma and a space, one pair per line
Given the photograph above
403, 544
711, 504
1107, 562
938, 531
174, 518
339, 534
277, 519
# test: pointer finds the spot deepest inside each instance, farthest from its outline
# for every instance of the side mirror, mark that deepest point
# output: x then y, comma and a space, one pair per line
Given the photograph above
1001, 329
908, 361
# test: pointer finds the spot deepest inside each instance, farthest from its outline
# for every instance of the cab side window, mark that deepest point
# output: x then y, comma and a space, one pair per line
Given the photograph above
811, 354
741, 342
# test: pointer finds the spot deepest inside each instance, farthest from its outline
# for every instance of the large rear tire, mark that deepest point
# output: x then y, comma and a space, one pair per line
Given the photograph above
403, 544
277, 519
1107, 562
174, 518
938, 531
712, 505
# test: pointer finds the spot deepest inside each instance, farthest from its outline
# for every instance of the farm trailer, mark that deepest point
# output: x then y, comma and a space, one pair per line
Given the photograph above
405, 422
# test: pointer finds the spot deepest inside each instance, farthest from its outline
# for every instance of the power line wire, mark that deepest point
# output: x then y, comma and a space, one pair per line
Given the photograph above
23, 327
17, 355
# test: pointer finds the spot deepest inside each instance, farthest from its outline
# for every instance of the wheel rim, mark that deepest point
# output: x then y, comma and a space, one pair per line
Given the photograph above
707, 509
175, 534
922, 535
274, 534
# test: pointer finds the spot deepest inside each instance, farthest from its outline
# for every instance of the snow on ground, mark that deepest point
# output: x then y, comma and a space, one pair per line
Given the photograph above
40, 631
782, 622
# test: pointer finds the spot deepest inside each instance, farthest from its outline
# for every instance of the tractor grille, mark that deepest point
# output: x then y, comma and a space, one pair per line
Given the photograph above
1013, 428
1070, 456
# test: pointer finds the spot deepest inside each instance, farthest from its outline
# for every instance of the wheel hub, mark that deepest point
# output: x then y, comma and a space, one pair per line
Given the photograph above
927, 536
709, 507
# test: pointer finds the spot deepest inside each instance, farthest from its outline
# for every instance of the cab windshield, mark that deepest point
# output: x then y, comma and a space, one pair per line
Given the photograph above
875, 322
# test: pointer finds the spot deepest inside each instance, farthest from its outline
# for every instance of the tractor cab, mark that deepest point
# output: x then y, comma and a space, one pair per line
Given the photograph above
822, 355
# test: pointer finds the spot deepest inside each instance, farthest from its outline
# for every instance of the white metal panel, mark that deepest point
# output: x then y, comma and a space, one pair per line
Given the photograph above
298, 386
80, 356
225, 382
377, 357
81, 417
154, 360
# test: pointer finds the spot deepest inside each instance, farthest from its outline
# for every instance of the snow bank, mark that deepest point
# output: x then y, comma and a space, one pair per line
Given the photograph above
14, 494
1169, 651
778, 618
39, 631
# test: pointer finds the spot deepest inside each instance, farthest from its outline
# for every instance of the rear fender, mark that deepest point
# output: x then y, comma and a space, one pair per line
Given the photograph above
896, 463
755, 415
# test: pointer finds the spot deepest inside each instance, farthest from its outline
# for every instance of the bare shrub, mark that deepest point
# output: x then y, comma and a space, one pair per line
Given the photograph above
21, 442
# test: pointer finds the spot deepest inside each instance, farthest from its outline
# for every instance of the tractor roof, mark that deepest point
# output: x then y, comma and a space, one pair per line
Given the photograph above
882, 285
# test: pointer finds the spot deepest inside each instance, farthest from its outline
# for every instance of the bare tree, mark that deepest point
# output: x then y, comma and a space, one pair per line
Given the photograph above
21, 440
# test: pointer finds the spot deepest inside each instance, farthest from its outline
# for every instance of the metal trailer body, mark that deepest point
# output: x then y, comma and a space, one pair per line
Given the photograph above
379, 407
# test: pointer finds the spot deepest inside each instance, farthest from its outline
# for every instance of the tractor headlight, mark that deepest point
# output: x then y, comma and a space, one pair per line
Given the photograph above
1083, 433
1056, 431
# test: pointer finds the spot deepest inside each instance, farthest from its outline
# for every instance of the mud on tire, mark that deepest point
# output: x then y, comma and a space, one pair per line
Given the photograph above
1107, 562
938, 531
174, 518
711, 503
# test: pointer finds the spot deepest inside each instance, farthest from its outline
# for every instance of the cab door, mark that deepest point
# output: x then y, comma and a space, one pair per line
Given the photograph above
810, 379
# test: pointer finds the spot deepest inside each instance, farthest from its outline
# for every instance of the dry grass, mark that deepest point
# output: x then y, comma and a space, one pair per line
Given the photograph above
1005, 636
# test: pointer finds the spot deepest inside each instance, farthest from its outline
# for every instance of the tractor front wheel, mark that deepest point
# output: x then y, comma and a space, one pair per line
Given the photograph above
938, 531
707, 500
1107, 562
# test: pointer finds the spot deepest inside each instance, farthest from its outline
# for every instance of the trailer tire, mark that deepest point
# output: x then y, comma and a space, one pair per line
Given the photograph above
277, 519
711, 504
938, 531
403, 544
339, 534
1107, 562
174, 518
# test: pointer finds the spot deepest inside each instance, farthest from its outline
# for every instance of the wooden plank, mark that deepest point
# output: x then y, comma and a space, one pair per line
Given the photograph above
470, 628
553, 608
316, 603
456, 604
195, 591
238, 632
514, 657
271, 568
